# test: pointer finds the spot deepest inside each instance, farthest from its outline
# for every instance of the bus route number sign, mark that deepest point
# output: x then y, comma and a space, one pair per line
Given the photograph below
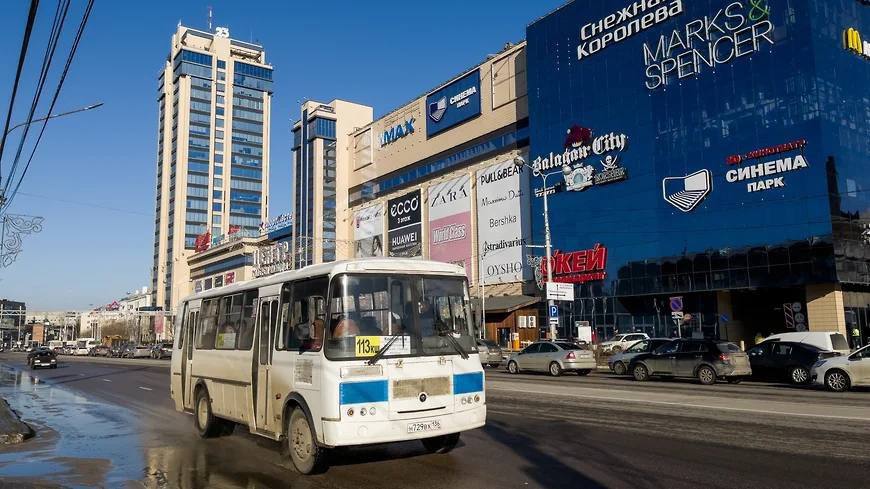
367, 346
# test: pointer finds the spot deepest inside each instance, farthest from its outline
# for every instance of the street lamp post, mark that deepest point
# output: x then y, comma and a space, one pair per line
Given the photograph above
520, 162
54, 116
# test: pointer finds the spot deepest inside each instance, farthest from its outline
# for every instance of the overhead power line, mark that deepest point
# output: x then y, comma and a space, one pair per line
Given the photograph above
31, 18
72, 52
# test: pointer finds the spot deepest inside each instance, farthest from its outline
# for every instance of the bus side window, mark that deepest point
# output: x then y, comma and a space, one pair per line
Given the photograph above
309, 315
183, 330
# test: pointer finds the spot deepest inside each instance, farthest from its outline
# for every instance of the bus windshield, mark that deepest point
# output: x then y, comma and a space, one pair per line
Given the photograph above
422, 312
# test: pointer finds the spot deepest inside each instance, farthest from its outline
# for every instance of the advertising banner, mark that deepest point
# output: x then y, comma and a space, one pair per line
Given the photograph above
404, 225
502, 223
453, 104
368, 231
450, 222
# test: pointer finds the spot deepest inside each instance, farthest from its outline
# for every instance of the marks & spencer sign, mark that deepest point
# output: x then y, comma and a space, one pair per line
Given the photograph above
453, 104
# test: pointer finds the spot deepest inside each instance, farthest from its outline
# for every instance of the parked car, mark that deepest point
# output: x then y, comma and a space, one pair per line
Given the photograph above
161, 350
823, 340
554, 357
490, 353
100, 351
117, 350
618, 362
622, 341
42, 357
705, 360
785, 361
139, 351
841, 373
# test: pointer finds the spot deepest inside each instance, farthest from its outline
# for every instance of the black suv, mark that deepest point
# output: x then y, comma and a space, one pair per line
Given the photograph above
785, 361
42, 357
706, 360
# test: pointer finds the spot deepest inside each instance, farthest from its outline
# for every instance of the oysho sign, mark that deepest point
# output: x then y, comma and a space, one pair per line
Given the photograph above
580, 146
740, 29
397, 132
624, 23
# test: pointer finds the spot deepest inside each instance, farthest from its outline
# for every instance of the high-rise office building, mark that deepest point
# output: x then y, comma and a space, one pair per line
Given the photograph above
214, 99
321, 168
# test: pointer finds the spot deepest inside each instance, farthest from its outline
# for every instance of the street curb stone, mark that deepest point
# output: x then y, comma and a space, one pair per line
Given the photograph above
12, 429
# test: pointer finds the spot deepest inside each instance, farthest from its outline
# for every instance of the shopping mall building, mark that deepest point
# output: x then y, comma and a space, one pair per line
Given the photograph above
718, 152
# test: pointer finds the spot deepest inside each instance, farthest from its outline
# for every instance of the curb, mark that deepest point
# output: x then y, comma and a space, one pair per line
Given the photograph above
12, 429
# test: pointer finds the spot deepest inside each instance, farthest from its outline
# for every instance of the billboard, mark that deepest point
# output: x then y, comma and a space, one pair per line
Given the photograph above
450, 222
368, 231
453, 104
502, 223
404, 225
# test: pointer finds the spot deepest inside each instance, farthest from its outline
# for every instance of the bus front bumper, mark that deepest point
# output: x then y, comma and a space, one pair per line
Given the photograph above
337, 433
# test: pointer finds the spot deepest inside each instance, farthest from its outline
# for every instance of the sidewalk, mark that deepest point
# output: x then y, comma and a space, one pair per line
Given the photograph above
12, 429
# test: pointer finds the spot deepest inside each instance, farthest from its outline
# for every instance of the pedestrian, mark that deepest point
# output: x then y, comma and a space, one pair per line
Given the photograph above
758, 337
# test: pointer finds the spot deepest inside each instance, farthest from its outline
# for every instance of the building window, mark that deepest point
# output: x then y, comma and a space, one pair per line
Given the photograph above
221, 64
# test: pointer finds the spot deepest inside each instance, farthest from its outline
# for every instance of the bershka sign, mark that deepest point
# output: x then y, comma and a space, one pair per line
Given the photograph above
404, 225
397, 132
576, 267
580, 147
740, 29
502, 222
624, 23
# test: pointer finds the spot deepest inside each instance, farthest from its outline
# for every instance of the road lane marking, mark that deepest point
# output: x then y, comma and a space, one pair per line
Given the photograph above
690, 405
106, 380
145, 388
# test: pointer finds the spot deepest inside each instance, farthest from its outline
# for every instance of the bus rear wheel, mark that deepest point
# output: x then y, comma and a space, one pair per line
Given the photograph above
305, 453
207, 424
441, 444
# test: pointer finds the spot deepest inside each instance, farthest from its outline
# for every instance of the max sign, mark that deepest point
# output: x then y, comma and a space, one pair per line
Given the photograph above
403, 225
397, 132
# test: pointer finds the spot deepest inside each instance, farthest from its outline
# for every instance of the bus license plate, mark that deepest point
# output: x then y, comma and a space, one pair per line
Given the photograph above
424, 426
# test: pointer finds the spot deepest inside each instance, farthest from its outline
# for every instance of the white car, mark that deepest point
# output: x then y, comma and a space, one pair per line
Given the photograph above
621, 342
843, 372
823, 340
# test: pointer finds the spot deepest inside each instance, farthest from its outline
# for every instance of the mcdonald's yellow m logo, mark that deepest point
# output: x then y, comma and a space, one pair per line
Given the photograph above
852, 40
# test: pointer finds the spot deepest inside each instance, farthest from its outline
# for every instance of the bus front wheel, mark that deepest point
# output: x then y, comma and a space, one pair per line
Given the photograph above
306, 454
441, 444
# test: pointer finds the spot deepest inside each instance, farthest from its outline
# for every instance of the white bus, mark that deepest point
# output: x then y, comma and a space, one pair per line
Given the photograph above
346, 353
84, 345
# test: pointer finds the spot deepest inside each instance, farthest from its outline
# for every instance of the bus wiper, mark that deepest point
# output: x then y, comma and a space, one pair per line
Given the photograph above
383, 351
456, 345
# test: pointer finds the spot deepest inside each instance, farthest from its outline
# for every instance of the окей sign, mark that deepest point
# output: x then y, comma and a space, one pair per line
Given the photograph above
576, 267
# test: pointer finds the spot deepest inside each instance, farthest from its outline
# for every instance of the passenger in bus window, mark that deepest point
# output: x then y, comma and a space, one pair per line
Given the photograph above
316, 340
345, 327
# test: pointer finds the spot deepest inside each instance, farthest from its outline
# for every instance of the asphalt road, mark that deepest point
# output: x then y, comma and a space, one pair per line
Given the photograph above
110, 423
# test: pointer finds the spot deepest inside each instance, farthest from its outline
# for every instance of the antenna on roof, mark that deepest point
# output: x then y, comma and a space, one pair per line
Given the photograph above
210, 15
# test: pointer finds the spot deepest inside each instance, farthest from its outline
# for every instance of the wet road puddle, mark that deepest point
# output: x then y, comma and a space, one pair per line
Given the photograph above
78, 442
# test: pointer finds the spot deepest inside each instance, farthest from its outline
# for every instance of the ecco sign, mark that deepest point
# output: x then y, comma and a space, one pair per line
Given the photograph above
397, 132
404, 226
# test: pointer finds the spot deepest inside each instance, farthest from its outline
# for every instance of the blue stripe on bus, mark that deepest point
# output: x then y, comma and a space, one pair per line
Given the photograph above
465, 383
359, 392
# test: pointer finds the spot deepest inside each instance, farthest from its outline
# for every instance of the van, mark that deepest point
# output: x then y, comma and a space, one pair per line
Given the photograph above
824, 340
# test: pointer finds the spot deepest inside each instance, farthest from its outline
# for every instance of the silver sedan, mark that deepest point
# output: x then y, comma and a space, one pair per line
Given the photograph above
554, 357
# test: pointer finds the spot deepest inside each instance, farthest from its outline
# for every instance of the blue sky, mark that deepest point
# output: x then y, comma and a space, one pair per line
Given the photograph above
93, 176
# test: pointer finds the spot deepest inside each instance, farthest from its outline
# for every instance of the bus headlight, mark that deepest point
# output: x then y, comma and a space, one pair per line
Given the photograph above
477, 398
372, 410
464, 401
362, 411
350, 412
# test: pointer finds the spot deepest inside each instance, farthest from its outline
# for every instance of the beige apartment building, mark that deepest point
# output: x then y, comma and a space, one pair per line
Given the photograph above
321, 138
214, 101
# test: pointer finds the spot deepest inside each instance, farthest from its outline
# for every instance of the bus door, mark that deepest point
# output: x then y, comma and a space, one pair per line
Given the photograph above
187, 355
262, 360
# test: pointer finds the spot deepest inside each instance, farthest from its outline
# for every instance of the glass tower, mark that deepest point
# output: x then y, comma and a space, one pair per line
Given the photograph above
214, 99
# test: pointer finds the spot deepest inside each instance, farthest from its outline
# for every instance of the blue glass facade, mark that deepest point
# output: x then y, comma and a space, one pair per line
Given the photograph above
648, 101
